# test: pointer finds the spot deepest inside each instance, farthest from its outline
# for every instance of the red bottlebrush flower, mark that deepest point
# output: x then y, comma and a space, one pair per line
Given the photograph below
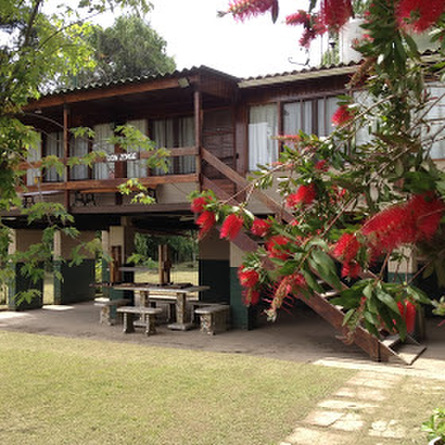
346, 247
299, 18
198, 204
304, 195
322, 165
335, 13
342, 116
251, 296
248, 277
260, 227
408, 313
427, 211
419, 15
205, 221
231, 226
351, 270
275, 247
242, 9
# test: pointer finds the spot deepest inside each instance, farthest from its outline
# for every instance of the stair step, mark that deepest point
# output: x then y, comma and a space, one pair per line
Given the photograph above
407, 353
391, 340
329, 294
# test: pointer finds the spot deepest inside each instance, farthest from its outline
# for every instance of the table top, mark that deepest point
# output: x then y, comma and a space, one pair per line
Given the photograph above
158, 289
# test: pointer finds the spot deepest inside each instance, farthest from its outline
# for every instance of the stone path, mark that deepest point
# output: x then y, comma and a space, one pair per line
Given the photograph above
340, 420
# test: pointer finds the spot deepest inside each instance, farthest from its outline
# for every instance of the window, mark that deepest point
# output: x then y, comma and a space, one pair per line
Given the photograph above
102, 134
263, 125
53, 147
33, 175
79, 148
137, 169
175, 133
436, 121
312, 116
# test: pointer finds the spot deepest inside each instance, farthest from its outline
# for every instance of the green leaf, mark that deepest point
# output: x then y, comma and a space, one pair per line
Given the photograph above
387, 300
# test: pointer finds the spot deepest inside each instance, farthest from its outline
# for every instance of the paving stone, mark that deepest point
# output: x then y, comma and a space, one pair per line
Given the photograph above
387, 429
357, 392
346, 405
307, 436
349, 422
371, 383
323, 418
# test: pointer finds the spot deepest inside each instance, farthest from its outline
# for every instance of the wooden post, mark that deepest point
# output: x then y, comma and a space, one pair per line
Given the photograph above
66, 153
198, 133
164, 264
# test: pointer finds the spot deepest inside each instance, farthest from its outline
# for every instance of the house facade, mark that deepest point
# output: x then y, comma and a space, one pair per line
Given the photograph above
217, 128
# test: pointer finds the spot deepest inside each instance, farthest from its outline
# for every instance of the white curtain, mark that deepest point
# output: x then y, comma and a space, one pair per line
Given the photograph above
137, 169
33, 175
186, 139
364, 133
54, 147
102, 133
79, 148
326, 108
263, 125
436, 120
298, 116
175, 133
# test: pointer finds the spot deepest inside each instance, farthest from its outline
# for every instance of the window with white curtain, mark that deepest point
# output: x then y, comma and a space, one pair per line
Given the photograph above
137, 169
263, 125
79, 148
436, 120
33, 175
312, 116
175, 133
102, 134
53, 147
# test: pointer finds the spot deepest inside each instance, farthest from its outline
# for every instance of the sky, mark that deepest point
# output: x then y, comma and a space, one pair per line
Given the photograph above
196, 36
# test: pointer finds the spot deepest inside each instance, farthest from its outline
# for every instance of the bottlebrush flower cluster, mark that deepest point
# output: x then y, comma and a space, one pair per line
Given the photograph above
416, 220
419, 15
312, 26
242, 9
249, 279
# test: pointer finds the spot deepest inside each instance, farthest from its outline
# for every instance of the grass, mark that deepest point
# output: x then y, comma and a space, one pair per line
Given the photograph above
72, 391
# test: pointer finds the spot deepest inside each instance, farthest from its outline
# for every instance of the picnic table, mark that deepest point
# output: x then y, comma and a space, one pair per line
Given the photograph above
179, 293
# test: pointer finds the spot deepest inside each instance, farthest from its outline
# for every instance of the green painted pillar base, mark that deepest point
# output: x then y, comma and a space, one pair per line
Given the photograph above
216, 275
74, 287
243, 317
22, 284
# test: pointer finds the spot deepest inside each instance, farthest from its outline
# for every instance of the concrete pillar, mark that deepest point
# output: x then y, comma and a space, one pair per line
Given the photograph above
105, 238
121, 246
214, 268
72, 284
243, 317
21, 239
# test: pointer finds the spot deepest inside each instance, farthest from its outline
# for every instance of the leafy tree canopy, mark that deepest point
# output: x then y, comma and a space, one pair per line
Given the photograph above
128, 49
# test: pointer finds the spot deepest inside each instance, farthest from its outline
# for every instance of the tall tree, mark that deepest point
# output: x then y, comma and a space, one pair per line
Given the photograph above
130, 48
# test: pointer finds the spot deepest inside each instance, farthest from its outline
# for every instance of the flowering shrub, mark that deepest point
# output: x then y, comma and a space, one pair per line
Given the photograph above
348, 207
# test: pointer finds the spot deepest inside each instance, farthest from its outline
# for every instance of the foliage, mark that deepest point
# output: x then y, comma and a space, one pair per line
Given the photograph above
128, 49
182, 248
43, 44
348, 205
435, 425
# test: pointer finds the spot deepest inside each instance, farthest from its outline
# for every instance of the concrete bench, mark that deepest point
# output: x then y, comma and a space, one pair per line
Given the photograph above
147, 316
106, 305
214, 318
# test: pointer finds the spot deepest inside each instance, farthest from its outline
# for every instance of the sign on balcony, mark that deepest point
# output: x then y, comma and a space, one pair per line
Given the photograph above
118, 157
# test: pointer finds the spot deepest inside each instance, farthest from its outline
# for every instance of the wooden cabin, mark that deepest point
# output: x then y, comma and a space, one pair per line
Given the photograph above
217, 128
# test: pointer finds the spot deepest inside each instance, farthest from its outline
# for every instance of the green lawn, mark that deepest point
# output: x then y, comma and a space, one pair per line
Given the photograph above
71, 391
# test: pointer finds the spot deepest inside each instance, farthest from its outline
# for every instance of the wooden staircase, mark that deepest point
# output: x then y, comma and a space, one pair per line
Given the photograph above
387, 348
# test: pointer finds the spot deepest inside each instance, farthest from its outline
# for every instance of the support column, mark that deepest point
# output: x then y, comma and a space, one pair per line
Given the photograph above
243, 317
121, 246
72, 284
21, 239
214, 268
